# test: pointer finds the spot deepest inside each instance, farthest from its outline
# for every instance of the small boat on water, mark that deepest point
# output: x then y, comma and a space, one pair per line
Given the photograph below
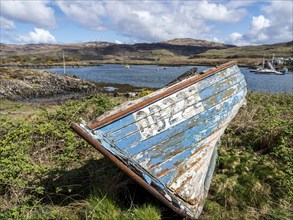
268, 71
167, 141
268, 68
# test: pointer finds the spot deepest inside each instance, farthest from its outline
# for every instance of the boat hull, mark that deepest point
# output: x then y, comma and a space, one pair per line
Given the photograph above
266, 71
167, 141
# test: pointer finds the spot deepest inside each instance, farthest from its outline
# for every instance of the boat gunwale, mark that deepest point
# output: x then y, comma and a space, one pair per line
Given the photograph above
172, 89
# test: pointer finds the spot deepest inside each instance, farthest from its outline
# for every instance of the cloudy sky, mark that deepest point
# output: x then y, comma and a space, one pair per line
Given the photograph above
245, 22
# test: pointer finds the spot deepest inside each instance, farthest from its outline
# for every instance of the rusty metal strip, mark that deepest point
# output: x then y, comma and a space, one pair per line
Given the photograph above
171, 90
96, 144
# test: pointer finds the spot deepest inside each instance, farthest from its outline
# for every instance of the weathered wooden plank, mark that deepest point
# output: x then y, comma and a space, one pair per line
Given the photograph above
182, 182
129, 143
196, 131
185, 103
175, 151
187, 129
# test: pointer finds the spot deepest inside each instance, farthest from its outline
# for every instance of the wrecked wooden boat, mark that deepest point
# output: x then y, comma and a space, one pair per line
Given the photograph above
167, 141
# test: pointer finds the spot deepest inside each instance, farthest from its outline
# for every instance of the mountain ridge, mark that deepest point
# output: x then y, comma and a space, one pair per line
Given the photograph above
178, 51
100, 50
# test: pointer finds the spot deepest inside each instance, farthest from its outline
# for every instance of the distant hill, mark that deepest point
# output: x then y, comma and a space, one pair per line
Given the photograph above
179, 51
100, 50
290, 43
199, 43
47, 49
260, 51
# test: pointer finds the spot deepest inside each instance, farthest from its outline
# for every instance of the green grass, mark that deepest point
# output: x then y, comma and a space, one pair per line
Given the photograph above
104, 208
254, 177
48, 172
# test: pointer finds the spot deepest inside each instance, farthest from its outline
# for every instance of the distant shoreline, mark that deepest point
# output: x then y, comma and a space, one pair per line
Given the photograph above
83, 64
92, 64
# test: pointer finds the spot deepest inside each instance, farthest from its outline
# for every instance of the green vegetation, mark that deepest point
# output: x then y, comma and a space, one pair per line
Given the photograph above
48, 172
145, 92
254, 176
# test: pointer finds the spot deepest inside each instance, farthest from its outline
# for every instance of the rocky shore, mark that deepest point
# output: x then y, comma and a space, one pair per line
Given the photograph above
25, 85
35, 86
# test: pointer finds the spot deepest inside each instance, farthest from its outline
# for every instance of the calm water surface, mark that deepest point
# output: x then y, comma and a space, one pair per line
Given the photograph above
156, 77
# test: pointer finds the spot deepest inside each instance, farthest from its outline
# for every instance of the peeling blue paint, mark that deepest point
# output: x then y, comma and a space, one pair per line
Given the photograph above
172, 143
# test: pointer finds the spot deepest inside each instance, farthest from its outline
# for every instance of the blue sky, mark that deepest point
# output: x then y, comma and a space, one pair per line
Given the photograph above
245, 22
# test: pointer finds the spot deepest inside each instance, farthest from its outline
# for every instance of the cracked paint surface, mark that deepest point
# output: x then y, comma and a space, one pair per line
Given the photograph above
172, 143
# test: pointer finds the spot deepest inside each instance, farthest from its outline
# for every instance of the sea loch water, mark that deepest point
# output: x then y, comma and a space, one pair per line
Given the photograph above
153, 76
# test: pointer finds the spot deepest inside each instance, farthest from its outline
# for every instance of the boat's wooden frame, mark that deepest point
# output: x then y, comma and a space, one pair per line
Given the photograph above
90, 132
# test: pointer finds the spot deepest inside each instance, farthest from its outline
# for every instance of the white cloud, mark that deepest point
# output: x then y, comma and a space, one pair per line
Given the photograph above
6, 24
259, 23
141, 20
35, 12
255, 34
36, 37
150, 21
86, 13
153, 21
237, 39
216, 40
273, 27
219, 12
281, 15
235, 4
118, 42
